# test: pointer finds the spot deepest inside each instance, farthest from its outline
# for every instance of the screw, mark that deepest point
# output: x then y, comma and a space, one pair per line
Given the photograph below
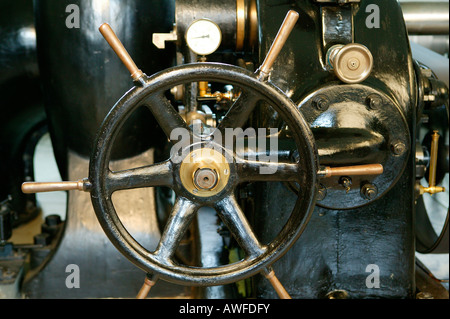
346, 182
398, 148
322, 192
369, 191
320, 102
373, 101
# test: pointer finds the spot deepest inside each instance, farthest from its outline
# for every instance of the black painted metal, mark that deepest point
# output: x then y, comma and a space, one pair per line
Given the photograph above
82, 77
22, 114
159, 262
338, 245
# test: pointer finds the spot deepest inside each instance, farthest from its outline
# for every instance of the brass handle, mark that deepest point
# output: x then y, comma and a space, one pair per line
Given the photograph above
285, 30
276, 284
120, 50
369, 169
32, 187
432, 188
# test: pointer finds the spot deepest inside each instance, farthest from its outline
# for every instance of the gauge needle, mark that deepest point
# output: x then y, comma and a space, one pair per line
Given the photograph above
202, 37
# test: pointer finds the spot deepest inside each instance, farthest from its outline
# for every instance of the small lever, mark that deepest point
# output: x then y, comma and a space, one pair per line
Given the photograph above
32, 187
276, 284
432, 188
369, 169
120, 50
283, 33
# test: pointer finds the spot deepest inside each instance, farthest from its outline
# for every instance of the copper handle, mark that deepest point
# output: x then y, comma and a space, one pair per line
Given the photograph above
276, 284
32, 187
369, 169
285, 30
120, 50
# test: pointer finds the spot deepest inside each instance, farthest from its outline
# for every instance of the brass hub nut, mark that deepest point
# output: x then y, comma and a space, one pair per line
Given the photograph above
204, 172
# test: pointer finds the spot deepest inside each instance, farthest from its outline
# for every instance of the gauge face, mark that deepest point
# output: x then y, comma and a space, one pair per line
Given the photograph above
203, 36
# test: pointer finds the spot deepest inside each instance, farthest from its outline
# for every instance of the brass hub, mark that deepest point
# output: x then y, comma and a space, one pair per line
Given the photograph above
204, 172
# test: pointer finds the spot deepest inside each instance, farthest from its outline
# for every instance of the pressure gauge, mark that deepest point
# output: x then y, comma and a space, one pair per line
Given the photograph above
203, 36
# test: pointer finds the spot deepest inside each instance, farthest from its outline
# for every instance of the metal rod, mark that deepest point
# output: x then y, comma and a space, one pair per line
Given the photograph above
276, 284
285, 30
426, 17
433, 159
33, 187
369, 169
149, 282
120, 50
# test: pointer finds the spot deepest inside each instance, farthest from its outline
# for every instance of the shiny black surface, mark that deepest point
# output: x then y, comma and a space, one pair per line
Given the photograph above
21, 107
82, 77
337, 245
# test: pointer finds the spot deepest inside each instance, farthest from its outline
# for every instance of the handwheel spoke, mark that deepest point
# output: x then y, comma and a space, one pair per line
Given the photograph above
251, 171
166, 116
148, 176
178, 222
239, 111
232, 215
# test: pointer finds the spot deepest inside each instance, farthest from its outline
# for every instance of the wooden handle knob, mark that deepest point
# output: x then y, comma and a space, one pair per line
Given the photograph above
369, 169
120, 50
283, 33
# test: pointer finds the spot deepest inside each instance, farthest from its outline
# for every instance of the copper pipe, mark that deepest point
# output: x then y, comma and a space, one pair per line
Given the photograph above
32, 187
145, 289
369, 169
120, 50
286, 28
276, 284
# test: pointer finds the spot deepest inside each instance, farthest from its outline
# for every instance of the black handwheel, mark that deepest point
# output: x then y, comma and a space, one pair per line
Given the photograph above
214, 182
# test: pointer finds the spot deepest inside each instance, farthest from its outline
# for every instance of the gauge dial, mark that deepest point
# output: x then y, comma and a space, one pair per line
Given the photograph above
203, 36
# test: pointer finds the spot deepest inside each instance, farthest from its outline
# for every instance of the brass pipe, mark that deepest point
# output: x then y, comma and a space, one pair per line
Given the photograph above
32, 187
285, 30
145, 289
120, 50
276, 284
432, 188
433, 158
369, 169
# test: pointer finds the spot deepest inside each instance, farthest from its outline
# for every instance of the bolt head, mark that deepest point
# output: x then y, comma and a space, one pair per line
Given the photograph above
398, 148
373, 101
320, 103
369, 191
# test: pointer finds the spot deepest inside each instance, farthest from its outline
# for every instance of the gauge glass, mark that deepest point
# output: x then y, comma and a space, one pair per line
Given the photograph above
203, 36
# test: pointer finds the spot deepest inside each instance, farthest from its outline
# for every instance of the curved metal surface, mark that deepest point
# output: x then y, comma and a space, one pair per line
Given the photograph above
82, 77
22, 114
426, 17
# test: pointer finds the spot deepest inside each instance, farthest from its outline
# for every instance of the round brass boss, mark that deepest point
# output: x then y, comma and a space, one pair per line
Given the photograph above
204, 172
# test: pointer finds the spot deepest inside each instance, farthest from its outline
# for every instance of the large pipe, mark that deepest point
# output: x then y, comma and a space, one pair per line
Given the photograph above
426, 17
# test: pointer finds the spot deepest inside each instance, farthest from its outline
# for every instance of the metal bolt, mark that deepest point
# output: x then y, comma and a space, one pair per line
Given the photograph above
398, 148
369, 191
320, 103
205, 178
346, 182
322, 192
373, 101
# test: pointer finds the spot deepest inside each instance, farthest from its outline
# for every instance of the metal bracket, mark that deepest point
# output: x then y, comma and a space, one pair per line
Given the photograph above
159, 39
